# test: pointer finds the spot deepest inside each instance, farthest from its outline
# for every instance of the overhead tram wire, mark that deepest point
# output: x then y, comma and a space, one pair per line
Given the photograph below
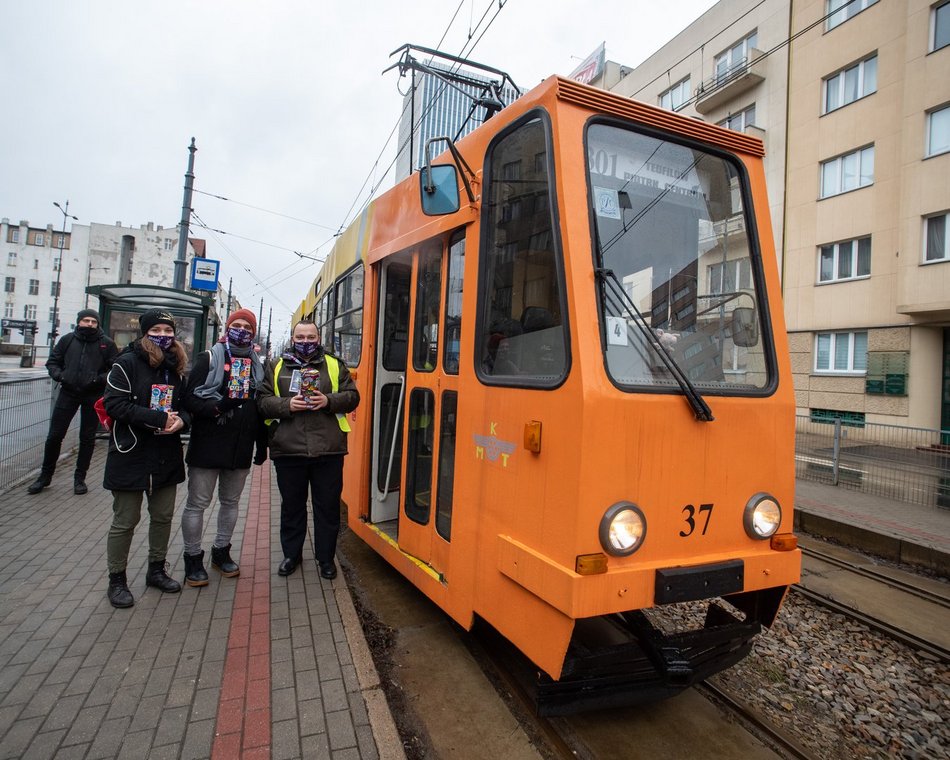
266, 211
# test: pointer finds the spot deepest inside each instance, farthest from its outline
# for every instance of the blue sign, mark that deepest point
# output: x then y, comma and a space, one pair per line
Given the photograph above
204, 274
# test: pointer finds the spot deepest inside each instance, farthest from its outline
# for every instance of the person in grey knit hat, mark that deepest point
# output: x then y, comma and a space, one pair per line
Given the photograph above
79, 362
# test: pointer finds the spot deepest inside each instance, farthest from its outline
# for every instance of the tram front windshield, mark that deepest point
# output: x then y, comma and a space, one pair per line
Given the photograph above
671, 227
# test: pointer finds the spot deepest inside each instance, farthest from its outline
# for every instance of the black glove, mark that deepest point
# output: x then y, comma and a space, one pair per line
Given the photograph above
226, 404
260, 455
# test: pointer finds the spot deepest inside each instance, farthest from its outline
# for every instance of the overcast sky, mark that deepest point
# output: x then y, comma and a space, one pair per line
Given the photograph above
285, 99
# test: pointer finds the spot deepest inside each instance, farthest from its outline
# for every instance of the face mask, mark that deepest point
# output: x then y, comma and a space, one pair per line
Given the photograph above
305, 349
239, 336
164, 342
87, 332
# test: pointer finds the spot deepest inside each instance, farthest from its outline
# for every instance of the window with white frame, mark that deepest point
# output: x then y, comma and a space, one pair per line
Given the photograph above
8, 310
850, 84
55, 288
29, 311
847, 172
34, 287
169, 244
676, 96
11, 259
9, 285
729, 276
39, 239
935, 238
847, 260
59, 241
739, 121
53, 315
842, 10
14, 235
938, 131
735, 57
940, 26
844, 352
56, 264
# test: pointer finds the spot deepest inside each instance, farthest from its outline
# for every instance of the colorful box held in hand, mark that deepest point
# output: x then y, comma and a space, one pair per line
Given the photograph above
309, 382
161, 397
239, 384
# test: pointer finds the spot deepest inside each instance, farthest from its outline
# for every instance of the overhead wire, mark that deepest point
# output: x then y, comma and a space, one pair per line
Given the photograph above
266, 211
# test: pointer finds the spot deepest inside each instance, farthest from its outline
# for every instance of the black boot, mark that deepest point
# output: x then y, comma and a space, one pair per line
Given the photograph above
79, 484
195, 574
118, 593
222, 562
40, 483
158, 578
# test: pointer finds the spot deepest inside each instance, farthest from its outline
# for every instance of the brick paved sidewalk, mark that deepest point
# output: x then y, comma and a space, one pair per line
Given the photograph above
258, 666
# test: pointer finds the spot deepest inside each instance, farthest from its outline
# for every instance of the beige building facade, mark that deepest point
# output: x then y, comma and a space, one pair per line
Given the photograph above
852, 100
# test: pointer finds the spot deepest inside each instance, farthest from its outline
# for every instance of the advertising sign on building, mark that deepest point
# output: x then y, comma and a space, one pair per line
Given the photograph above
591, 67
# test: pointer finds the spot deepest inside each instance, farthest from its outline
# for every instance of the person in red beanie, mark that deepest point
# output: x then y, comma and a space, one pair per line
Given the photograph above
221, 397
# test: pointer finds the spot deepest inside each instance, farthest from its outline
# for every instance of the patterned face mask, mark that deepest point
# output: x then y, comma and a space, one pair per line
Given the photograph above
164, 342
239, 336
305, 349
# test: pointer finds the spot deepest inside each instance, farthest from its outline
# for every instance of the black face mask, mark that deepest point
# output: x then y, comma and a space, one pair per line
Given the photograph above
87, 332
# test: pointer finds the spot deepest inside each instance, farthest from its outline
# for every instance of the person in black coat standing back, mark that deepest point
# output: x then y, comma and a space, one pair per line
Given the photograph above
143, 397
79, 362
226, 426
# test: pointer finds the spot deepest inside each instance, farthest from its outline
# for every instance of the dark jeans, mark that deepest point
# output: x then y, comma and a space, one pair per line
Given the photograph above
323, 477
63, 412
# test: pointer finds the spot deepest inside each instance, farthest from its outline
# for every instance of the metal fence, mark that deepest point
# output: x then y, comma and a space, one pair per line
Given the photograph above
902, 463
25, 406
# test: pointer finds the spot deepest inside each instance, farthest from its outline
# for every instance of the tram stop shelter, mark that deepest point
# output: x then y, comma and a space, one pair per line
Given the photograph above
121, 305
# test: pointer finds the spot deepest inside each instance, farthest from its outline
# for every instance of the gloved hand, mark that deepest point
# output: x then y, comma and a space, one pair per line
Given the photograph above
227, 404
260, 456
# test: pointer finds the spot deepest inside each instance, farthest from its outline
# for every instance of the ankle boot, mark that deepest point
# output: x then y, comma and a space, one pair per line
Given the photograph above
158, 578
79, 484
222, 562
40, 483
118, 593
195, 574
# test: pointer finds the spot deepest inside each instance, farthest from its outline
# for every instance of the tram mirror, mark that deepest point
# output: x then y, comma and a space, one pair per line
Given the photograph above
745, 330
440, 190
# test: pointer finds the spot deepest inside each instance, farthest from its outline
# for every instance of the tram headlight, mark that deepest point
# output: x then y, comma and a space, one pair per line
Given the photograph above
622, 529
762, 516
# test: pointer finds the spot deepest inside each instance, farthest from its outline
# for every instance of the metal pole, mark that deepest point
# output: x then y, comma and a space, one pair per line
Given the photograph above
260, 315
54, 332
837, 452
181, 262
228, 311
270, 317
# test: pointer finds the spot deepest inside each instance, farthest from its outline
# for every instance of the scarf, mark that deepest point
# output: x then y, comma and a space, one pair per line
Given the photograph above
221, 355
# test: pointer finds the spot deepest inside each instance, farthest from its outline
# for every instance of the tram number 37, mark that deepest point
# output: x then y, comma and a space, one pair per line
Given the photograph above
691, 518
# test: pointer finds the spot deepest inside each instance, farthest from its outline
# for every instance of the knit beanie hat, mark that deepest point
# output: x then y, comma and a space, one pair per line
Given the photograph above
245, 314
155, 317
88, 313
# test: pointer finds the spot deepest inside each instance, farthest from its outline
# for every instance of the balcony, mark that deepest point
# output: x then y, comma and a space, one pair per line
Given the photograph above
731, 83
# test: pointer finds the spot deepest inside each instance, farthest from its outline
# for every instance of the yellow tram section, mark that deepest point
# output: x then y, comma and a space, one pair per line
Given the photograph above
520, 522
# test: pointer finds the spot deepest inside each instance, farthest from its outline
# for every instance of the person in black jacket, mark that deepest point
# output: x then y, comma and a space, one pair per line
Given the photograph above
221, 397
143, 397
78, 362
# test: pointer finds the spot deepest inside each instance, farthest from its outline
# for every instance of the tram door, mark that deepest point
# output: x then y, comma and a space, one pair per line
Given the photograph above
421, 314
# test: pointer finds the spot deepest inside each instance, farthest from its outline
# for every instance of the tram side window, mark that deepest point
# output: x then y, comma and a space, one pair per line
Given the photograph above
522, 327
425, 344
323, 318
453, 305
419, 455
443, 505
348, 324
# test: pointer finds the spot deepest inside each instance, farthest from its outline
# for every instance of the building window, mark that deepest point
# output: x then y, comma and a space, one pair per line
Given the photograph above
8, 310
847, 172
39, 238
845, 261
938, 131
13, 235
841, 352
56, 264
29, 311
850, 84
169, 244
53, 315
940, 27
935, 237
729, 277
11, 259
59, 241
739, 121
34, 287
54, 289
848, 9
677, 96
735, 58
36, 263
9, 286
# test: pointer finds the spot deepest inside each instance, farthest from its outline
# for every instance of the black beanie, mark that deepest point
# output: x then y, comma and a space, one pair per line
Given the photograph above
88, 313
155, 317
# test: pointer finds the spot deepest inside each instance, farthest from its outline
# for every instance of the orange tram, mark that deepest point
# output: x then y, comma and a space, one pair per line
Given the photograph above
577, 406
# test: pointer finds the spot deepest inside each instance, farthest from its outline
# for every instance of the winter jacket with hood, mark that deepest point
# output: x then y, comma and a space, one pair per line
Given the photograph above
80, 362
139, 459
312, 433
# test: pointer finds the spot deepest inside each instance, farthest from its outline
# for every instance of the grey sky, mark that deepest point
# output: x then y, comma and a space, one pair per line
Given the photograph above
285, 99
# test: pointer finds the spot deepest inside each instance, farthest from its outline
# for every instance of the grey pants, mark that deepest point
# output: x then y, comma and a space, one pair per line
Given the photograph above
126, 512
201, 483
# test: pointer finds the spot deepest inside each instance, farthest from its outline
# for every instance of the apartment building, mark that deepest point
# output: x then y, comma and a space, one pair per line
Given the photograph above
852, 99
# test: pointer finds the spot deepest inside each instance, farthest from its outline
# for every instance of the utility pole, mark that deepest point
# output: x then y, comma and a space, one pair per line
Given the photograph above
230, 282
54, 332
260, 316
181, 262
270, 316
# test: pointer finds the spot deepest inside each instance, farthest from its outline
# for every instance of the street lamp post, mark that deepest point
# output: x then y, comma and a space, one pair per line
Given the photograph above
59, 273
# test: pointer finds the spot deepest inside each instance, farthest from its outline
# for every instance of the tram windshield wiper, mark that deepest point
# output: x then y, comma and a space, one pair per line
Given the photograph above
693, 396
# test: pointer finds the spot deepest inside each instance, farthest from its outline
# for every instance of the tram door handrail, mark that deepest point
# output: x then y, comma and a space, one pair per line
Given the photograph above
397, 423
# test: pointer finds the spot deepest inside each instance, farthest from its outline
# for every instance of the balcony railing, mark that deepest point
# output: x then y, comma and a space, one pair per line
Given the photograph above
728, 84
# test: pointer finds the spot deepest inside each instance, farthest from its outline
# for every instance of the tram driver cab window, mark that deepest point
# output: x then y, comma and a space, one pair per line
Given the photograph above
521, 327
